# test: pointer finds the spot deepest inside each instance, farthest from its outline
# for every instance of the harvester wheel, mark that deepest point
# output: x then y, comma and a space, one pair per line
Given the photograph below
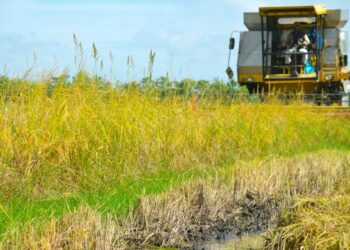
329, 93
252, 88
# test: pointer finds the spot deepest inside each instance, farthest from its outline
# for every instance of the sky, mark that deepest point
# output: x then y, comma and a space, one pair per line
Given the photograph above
189, 37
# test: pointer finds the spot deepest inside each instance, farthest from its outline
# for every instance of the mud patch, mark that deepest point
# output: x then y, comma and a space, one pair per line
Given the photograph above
251, 215
191, 217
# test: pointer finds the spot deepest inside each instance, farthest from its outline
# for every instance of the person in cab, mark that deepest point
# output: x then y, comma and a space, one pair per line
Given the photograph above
298, 41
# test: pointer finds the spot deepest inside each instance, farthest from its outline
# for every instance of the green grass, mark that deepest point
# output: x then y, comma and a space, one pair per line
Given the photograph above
118, 200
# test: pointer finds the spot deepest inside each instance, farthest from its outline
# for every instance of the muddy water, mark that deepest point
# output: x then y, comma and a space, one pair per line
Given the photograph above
245, 242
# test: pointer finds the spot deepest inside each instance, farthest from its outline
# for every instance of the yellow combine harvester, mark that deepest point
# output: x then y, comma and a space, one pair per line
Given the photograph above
295, 49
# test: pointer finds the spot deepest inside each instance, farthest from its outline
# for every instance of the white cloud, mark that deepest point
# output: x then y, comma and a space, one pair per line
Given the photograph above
180, 40
252, 5
95, 6
20, 52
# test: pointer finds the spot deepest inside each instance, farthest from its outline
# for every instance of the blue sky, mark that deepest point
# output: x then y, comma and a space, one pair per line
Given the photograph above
190, 37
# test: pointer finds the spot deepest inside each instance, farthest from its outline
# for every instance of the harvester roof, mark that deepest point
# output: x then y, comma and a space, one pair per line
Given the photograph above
333, 18
309, 10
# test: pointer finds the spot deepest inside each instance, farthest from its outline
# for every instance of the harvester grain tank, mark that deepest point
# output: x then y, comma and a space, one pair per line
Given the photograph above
267, 63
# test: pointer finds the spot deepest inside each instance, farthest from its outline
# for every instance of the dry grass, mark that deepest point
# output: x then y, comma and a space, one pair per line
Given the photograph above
314, 223
82, 229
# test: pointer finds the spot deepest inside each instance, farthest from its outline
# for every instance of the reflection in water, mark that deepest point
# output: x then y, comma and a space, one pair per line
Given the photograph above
245, 242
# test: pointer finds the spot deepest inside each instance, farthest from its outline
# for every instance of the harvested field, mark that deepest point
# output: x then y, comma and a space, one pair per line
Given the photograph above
248, 200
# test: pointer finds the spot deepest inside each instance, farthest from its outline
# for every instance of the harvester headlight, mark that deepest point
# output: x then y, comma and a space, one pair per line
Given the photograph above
250, 79
347, 88
329, 77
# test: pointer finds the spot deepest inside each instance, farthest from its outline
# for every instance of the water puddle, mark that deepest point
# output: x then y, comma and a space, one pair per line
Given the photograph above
244, 242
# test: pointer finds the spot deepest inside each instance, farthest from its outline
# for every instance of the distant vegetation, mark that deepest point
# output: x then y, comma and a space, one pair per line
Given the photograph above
163, 86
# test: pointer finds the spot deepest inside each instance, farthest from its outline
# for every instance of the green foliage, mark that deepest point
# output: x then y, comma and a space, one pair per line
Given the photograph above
185, 87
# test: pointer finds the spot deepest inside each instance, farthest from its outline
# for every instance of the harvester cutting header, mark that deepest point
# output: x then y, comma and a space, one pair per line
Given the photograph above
296, 49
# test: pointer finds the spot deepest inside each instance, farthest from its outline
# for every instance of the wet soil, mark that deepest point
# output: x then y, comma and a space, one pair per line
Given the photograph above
247, 215
255, 215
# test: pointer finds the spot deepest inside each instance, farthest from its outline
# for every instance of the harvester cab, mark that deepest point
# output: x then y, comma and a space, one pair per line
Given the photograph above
294, 49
